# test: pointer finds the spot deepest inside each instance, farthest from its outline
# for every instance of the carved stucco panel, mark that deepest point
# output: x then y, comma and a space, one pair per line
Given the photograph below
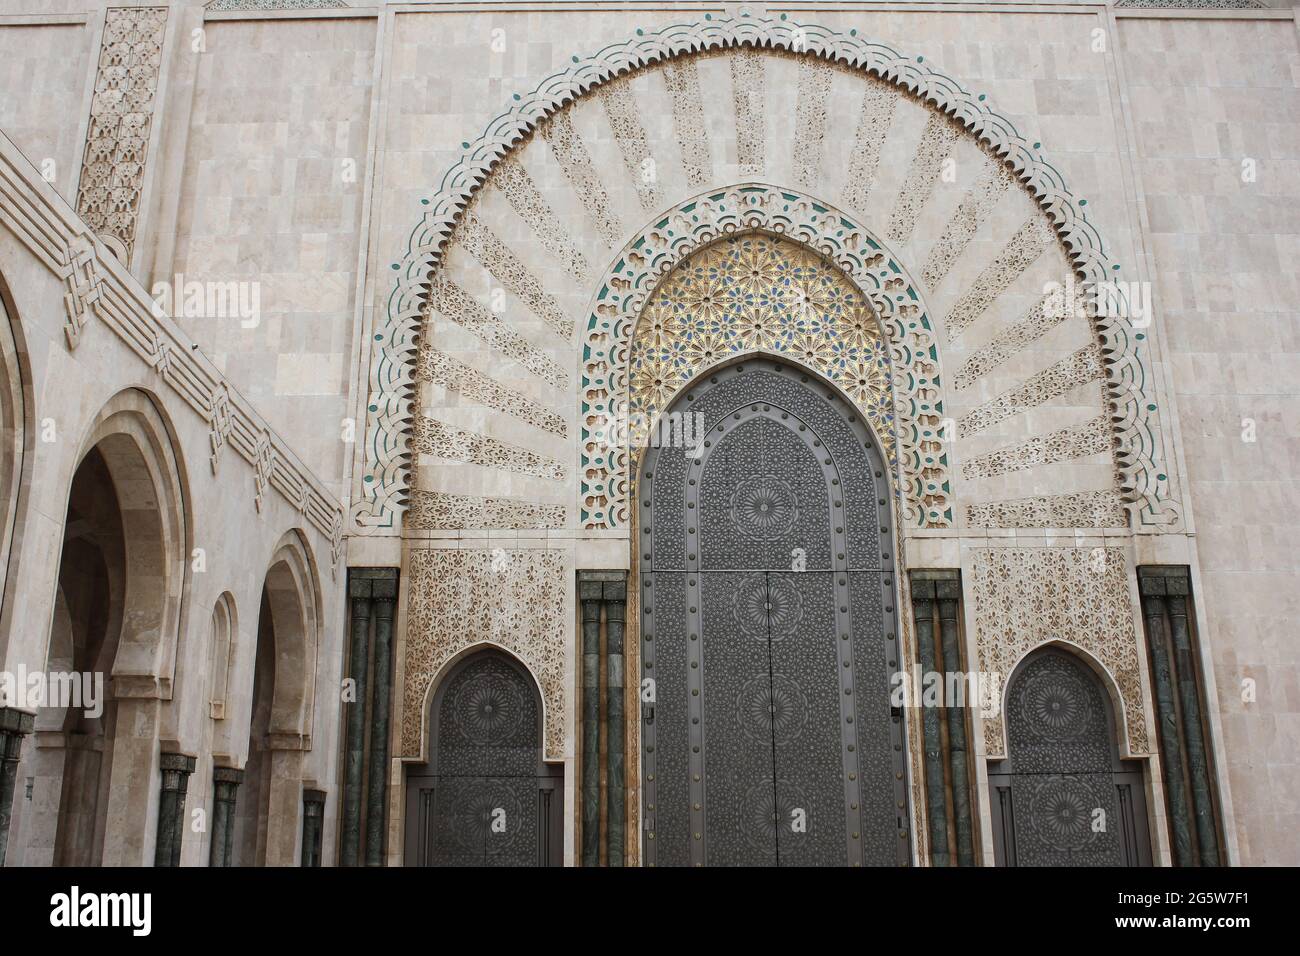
459, 598
1026, 597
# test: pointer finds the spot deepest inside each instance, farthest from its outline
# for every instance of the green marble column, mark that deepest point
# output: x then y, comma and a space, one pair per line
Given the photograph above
353, 767
14, 726
590, 593
384, 602
176, 769
225, 792
615, 732
948, 593
1171, 751
923, 600
1189, 696
313, 821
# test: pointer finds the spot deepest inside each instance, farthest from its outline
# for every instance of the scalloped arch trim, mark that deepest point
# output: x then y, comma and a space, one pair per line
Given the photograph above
385, 478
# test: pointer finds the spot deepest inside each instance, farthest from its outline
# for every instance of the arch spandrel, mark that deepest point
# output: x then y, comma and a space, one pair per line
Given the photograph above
553, 111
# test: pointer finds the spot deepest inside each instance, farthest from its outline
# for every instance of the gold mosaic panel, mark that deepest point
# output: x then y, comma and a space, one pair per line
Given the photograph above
759, 293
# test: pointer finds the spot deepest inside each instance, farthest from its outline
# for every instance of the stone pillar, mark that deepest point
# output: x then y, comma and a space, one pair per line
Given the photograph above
353, 768
313, 821
284, 760
1189, 696
14, 726
1193, 824
176, 769
948, 591
589, 594
135, 763
616, 732
225, 792
923, 599
384, 597
1171, 755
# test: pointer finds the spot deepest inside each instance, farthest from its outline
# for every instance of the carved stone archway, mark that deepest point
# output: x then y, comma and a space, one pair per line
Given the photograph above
1134, 416
910, 427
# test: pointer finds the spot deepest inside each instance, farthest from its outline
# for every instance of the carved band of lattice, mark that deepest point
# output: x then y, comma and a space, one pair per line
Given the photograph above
1075, 369
1082, 509
1065, 444
121, 119
1079, 597
1133, 414
922, 173
450, 373
892, 294
504, 266
432, 437
443, 511
449, 300
1045, 315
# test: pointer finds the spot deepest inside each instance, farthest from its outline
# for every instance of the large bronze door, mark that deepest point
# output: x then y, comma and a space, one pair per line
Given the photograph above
485, 798
1063, 796
768, 632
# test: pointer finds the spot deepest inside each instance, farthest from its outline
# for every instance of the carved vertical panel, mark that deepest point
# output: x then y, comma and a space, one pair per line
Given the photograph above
121, 117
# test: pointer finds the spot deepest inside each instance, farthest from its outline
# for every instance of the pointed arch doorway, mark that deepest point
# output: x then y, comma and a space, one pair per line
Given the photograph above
1063, 796
486, 797
766, 565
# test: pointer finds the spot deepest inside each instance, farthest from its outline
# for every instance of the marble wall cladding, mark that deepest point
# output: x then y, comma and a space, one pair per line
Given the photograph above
274, 177
49, 65
1216, 115
1180, 134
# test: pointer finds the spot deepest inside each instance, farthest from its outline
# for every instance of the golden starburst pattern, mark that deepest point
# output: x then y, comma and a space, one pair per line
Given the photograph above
759, 293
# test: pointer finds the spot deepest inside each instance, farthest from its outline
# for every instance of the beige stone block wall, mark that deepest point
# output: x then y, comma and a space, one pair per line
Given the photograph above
274, 178
1207, 100
44, 76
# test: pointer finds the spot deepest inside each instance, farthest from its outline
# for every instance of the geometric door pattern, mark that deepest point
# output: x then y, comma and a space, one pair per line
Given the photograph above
1063, 797
485, 798
768, 630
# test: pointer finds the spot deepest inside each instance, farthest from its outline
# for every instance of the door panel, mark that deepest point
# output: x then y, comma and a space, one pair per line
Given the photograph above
1063, 797
486, 798
736, 769
808, 720
770, 740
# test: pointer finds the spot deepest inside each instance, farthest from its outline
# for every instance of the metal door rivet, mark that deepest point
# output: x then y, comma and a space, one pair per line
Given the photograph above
855, 834
853, 776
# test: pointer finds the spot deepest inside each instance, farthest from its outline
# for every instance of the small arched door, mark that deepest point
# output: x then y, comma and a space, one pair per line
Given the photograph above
486, 798
1063, 796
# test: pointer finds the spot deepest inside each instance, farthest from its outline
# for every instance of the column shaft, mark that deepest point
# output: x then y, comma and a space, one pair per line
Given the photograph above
313, 819
385, 599
1189, 696
225, 791
923, 592
350, 837
1171, 751
948, 593
589, 593
176, 769
616, 794
14, 725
